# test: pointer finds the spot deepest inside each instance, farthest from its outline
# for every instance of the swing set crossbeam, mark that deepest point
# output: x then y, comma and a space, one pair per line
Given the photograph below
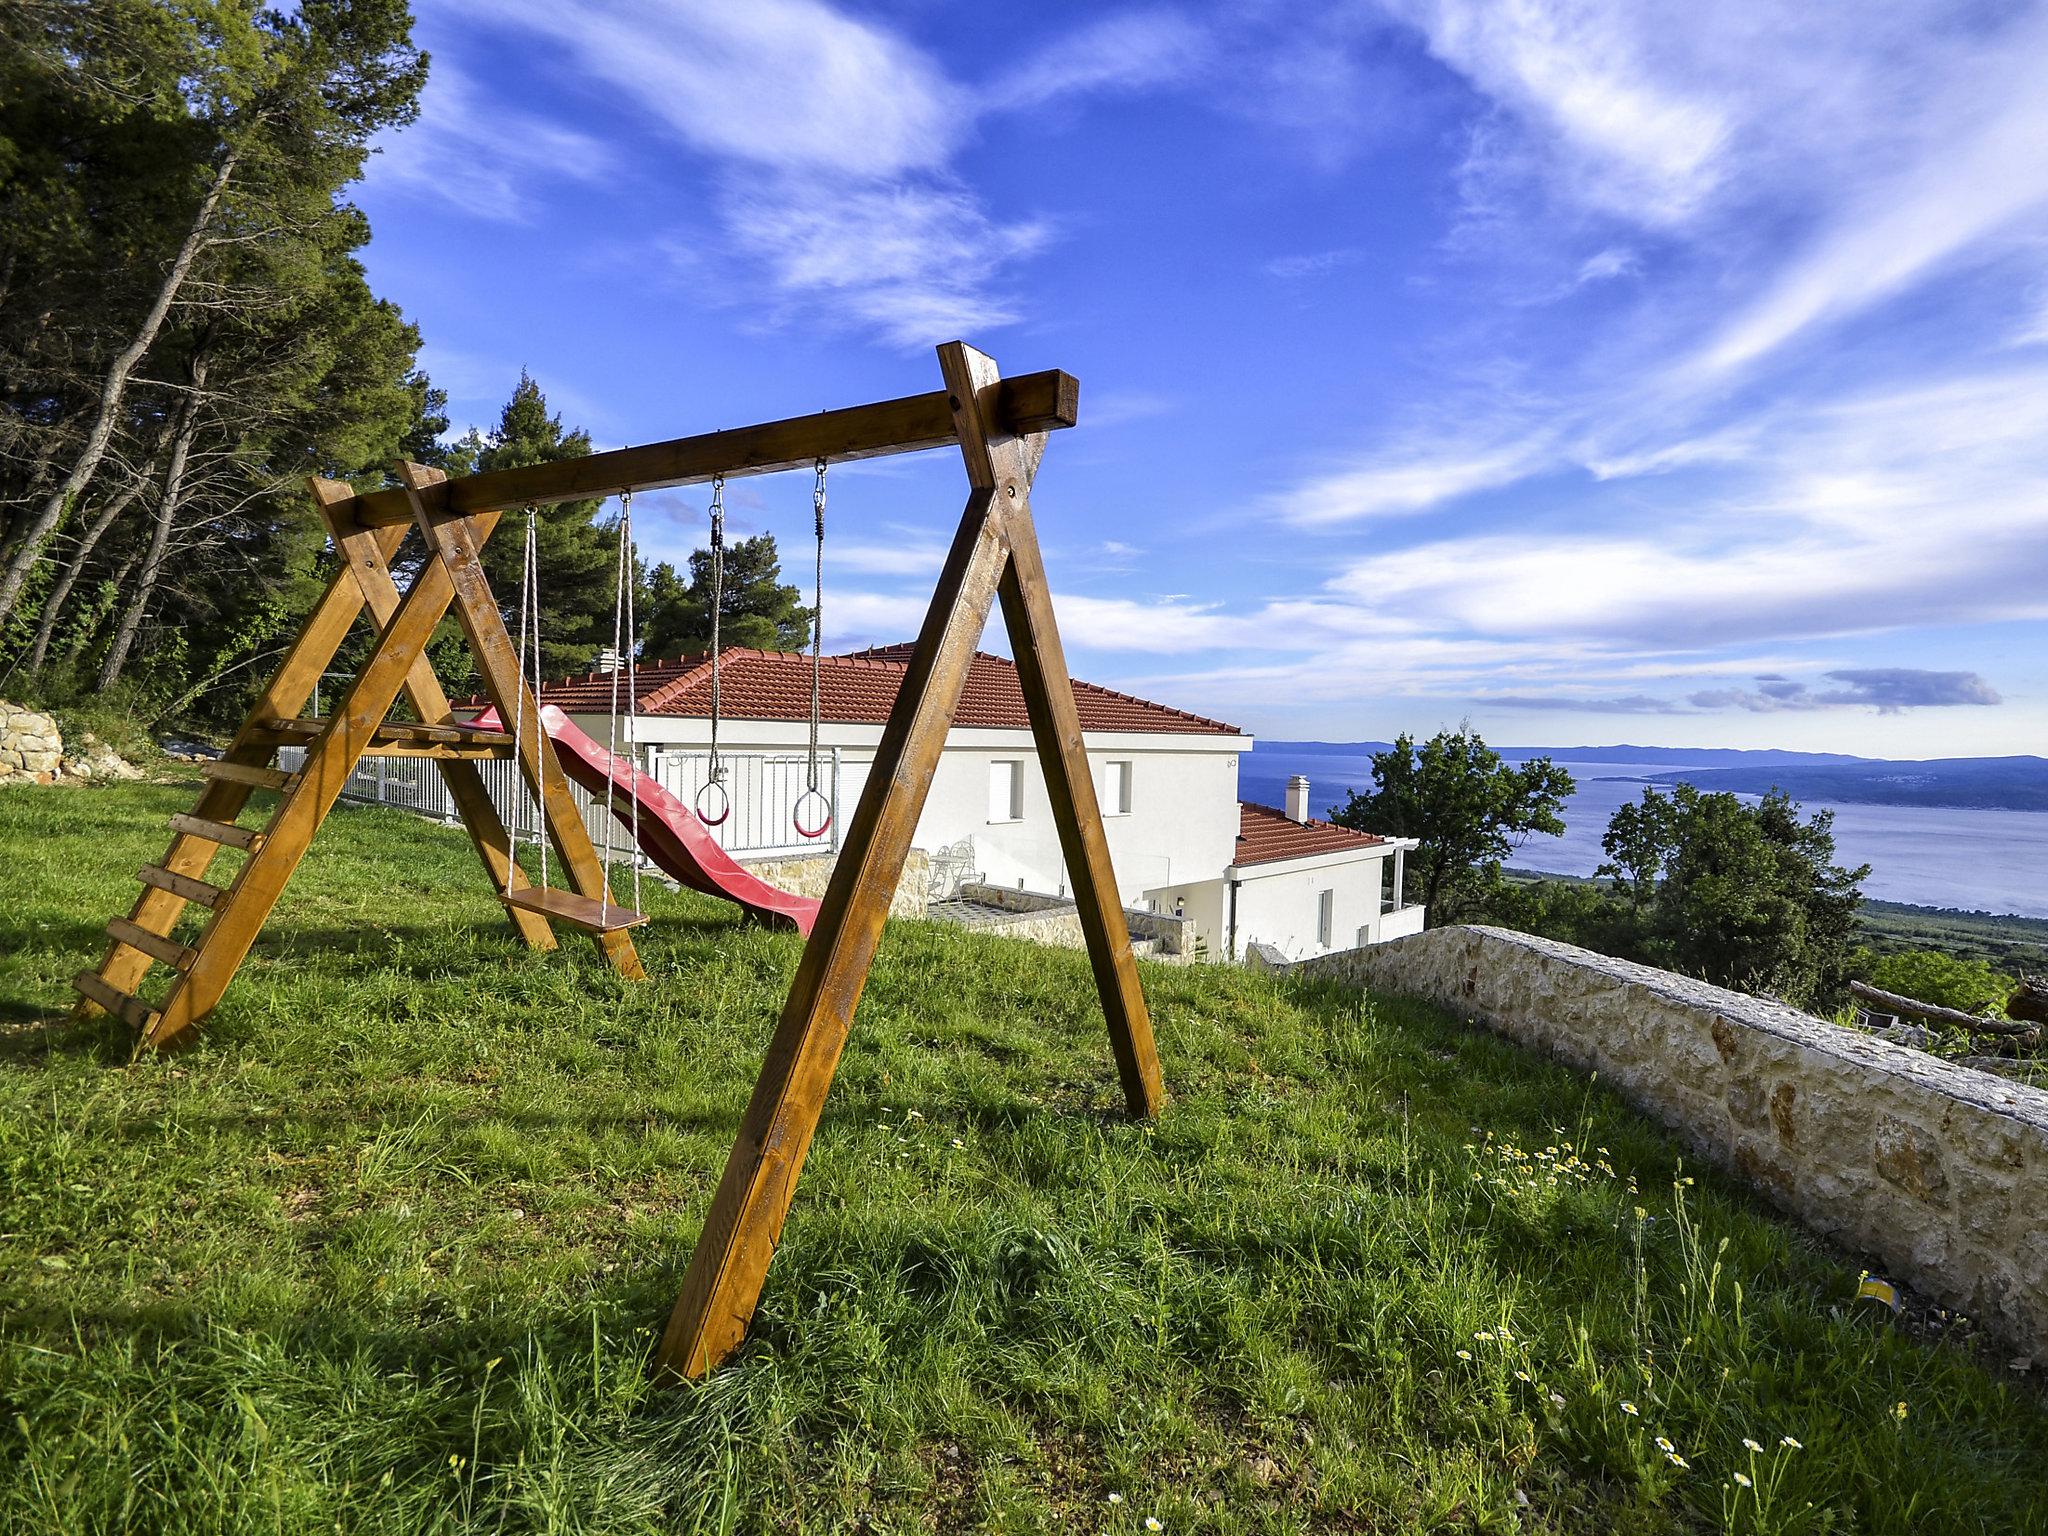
1024, 406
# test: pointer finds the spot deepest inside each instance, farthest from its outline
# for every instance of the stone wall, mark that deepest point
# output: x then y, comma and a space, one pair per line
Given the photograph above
30, 747
32, 751
1937, 1172
808, 876
1056, 920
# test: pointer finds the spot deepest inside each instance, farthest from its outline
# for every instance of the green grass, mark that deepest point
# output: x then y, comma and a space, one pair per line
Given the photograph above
387, 1251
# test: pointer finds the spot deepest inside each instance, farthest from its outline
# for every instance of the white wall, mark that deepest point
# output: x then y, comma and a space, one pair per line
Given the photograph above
1277, 903
1182, 827
1207, 906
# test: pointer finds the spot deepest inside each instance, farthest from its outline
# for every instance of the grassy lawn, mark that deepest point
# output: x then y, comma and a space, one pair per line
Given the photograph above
387, 1252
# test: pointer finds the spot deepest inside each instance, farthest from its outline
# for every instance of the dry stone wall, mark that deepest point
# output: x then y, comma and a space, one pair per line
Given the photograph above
1939, 1173
809, 875
32, 751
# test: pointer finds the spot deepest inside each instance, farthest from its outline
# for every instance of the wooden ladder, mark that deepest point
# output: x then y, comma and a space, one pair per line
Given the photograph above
452, 575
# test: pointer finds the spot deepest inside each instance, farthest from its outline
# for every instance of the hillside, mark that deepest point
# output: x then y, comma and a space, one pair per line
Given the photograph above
385, 1252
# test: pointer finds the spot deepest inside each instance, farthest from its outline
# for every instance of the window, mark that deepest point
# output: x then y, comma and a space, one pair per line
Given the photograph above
1006, 790
1116, 789
1326, 917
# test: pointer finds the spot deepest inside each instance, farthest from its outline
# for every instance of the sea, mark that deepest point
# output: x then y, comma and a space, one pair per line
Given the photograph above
1929, 856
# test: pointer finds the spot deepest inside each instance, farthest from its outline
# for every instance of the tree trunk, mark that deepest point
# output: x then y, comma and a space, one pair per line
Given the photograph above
53, 606
112, 394
1894, 1003
160, 535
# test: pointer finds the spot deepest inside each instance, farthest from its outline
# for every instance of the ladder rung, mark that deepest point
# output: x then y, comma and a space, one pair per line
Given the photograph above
181, 885
248, 773
133, 1009
217, 831
135, 936
577, 911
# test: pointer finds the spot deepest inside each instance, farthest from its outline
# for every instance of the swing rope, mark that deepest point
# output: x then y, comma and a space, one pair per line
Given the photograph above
811, 791
529, 606
715, 777
625, 637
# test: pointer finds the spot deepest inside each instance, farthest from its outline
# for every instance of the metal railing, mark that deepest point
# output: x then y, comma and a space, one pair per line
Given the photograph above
763, 788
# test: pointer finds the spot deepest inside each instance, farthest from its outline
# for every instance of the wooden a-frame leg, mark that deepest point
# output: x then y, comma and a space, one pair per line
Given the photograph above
456, 547
319, 637
723, 1283
1070, 785
330, 759
371, 571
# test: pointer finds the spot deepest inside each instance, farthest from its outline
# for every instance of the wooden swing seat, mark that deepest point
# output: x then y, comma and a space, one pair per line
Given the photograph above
575, 910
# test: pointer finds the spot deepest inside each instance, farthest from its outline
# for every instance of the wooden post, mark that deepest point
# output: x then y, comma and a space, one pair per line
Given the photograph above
360, 554
455, 548
723, 1283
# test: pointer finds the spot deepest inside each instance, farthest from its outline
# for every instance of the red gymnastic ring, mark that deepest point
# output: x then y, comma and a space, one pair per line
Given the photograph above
723, 802
824, 818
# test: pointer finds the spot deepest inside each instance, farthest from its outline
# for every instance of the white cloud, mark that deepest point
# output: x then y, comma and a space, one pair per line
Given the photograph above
1311, 264
1411, 479
481, 156
794, 85
1614, 261
1130, 51
838, 136
1615, 134
914, 262
911, 556
1981, 172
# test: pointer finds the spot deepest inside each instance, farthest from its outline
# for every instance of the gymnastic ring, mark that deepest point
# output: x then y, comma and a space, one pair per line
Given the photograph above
724, 804
796, 815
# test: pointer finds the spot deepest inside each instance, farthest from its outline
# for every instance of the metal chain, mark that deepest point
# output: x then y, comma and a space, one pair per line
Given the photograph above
817, 621
717, 608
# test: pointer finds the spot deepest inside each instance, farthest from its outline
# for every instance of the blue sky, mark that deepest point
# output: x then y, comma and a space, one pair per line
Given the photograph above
1668, 373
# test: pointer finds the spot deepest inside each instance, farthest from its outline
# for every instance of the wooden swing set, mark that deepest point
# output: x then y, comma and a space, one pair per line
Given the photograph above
1000, 426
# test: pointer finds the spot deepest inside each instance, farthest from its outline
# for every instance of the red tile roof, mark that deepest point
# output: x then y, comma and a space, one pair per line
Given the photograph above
857, 689
1266, 836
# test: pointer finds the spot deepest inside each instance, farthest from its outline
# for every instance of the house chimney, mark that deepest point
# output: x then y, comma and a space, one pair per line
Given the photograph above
1297, 798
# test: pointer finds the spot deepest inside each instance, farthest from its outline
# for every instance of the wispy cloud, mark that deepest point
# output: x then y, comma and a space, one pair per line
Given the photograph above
1311, 264
909, 260
835, 138
1411, 478
1130, 51
485, 157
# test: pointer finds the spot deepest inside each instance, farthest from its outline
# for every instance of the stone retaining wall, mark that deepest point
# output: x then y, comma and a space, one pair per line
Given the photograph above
1939, 1173
1056, 920
809, 875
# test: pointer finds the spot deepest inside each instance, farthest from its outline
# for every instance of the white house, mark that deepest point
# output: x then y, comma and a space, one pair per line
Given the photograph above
1166, 780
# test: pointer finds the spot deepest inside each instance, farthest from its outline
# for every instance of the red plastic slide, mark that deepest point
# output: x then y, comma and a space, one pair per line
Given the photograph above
670, 832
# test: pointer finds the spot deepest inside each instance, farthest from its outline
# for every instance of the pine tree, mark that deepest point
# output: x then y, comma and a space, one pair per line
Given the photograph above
577, 548
759, 609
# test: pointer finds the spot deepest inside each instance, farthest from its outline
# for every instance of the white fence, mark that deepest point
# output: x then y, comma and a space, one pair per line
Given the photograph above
764, 791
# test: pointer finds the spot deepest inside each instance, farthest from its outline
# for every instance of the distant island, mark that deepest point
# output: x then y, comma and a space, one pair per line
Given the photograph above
1964, 783
1961, 783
